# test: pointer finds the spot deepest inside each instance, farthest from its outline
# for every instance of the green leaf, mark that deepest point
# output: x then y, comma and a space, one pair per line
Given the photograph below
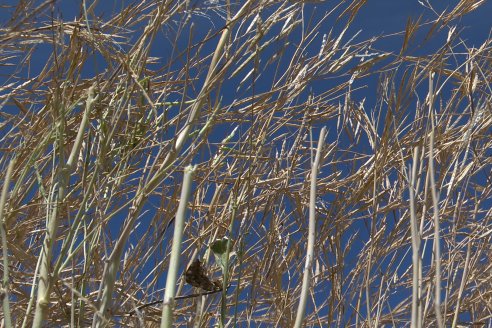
219, 247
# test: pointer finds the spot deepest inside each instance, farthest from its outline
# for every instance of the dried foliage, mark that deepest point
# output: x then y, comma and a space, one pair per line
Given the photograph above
102, 113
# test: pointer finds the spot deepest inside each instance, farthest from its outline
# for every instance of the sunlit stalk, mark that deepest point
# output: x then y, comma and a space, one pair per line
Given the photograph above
435, 203
306, 282
172, 273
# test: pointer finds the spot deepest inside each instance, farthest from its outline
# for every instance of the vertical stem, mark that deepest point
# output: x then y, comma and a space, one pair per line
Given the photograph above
435, 203
311, 234
462, 285
5, 254
58, 195
225, 279
236, 300
415, 322
172, 273
63, 175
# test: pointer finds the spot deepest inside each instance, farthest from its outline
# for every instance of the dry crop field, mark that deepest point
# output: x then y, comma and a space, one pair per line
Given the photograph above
243, 164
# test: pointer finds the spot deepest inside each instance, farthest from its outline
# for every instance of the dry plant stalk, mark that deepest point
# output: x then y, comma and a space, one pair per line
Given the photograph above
122, 102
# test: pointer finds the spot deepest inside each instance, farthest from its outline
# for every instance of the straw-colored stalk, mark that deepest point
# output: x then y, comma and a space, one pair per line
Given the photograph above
435, 203
416, 321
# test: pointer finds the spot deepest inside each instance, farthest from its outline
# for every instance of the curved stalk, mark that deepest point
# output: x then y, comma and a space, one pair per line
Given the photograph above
311, 234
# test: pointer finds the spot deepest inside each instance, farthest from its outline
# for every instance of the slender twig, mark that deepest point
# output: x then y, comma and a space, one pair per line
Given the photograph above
177, 298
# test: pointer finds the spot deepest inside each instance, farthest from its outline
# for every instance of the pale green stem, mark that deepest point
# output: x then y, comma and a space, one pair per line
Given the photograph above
172, 273
306, 282
45, 277
5, 281
225, 273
